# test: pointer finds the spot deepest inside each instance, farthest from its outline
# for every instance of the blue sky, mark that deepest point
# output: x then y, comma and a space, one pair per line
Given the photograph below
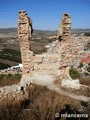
45, 14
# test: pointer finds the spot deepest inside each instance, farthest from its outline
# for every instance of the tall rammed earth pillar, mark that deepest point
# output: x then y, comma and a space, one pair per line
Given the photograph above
64, 36
24, 36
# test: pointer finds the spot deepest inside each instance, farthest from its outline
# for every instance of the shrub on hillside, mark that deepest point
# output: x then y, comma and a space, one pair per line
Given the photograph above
9, 76
14, 76
17, 76
88, 69
74, 73
9, 79
2, 76
80, 65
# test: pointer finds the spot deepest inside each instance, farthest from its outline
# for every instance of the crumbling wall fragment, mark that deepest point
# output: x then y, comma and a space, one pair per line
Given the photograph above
24, 34
64, 36
64, 30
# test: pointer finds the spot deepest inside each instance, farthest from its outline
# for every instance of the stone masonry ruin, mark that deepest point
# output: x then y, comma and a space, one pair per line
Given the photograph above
24, 35
64, 36
49, 66
50, 62
64, 30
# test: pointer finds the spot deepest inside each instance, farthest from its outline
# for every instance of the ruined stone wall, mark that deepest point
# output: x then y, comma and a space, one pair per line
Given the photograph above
56, 61
52, 62
31, 63
64, 31
24, 36
64, 36
47, 62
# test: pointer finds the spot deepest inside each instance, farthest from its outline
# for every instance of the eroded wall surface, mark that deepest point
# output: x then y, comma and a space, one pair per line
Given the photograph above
66, 40
24, 36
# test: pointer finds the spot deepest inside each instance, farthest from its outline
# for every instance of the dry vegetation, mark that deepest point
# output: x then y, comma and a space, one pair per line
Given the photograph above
9, 79
85, 81
42, 104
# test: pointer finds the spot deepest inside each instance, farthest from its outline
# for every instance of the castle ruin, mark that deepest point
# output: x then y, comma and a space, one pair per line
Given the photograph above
50, 62
56, 61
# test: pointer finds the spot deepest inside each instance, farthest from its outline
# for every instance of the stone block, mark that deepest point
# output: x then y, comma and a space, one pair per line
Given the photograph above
38, 59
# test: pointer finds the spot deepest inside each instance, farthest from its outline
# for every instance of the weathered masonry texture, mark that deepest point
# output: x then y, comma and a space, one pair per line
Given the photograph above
64, 36
48, 62
24, 35
64, 30
54, 61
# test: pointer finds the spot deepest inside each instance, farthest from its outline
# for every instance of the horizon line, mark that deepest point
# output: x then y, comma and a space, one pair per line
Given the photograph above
42, 29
